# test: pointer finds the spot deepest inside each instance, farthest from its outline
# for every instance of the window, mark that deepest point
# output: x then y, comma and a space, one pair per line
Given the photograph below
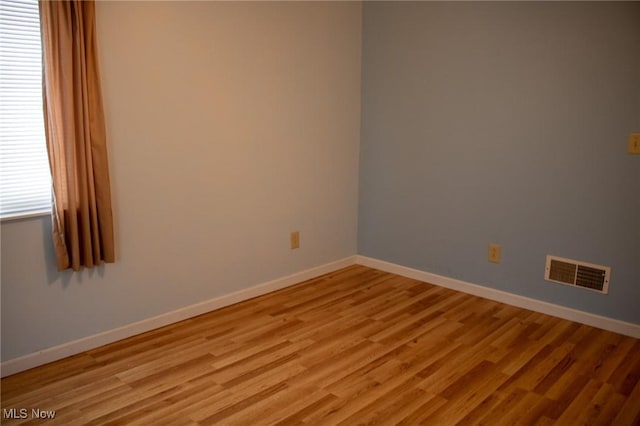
25, 181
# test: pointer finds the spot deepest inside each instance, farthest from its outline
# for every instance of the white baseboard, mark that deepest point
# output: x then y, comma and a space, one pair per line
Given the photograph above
55, 353
64, 350
617, 326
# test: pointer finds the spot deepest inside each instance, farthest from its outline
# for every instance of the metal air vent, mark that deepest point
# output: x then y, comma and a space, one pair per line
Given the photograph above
576, 273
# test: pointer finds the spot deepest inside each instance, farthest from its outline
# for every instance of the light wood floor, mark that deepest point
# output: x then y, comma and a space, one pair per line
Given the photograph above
357, 346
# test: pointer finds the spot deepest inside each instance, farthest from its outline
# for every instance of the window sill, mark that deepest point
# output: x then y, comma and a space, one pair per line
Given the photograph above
19, 216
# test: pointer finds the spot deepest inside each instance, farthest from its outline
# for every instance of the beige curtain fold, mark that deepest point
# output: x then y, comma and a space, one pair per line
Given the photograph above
76, 137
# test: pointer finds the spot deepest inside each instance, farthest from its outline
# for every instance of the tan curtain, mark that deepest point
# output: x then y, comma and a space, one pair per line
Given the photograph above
75, 133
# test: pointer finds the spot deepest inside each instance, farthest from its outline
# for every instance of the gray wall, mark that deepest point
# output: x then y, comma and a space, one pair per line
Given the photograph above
506, 123
229, 125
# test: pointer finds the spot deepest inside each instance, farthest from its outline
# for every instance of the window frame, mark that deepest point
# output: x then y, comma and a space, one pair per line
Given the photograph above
19, 33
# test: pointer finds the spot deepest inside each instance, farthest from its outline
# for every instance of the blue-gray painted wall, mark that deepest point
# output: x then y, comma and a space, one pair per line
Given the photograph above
505, 123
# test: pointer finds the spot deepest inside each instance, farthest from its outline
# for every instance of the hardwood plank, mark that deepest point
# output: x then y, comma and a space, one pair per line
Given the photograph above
357, 346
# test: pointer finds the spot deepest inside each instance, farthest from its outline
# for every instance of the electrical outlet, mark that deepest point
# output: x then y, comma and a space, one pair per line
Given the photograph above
295, 240
494, 253
634, 143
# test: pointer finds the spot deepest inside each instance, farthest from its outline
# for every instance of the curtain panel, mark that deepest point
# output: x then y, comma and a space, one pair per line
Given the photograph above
76, 137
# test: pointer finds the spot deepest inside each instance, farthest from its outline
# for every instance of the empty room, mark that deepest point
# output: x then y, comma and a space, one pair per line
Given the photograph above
320, 213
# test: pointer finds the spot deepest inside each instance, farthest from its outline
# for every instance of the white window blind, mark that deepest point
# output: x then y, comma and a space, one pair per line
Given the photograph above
25, 181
